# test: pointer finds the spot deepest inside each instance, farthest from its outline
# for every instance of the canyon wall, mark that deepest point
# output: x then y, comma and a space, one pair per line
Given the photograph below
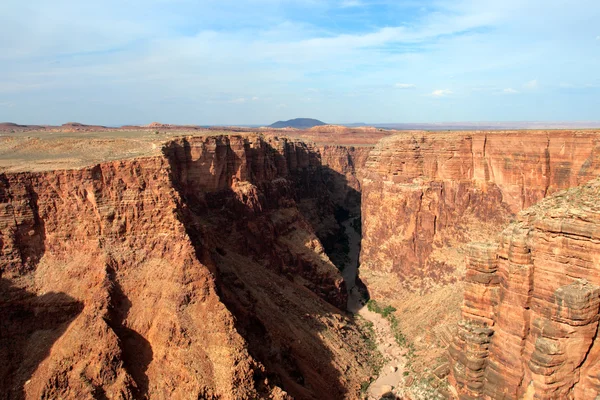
531, 306
103, 245
425, 194
192, 273
347, 165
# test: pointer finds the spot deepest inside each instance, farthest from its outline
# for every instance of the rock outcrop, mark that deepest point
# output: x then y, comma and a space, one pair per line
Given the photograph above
532, 301
191, 274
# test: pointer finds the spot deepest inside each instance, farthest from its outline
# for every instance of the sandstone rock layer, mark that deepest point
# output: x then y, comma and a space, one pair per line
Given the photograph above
426, 195
532, 301
192, 274
426, 192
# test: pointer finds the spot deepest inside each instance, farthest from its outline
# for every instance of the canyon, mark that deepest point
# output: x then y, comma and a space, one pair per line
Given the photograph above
193, 272
207, 264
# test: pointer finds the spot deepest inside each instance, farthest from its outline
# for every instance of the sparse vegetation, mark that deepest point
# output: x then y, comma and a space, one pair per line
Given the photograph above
385, 311
365, 386
368, 334
388, 312
375, 357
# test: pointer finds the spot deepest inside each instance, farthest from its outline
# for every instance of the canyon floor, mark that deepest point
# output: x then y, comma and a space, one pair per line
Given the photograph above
391, 377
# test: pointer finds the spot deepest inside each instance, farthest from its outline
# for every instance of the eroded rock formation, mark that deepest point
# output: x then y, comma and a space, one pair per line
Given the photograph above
426, 193
194, 273
532, 301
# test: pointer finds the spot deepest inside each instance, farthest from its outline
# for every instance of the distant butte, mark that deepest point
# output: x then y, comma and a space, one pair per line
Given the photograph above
298, 123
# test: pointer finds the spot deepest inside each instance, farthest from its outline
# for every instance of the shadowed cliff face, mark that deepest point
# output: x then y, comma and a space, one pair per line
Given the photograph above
29, 326
530, 315
258, 228
194, 274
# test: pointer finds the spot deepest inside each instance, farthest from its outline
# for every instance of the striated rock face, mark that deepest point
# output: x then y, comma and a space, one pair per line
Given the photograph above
105, 245
470, 348
192, 274
532, 302
425, 193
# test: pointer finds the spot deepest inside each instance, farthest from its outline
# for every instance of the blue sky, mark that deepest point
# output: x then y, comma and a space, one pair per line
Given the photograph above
257, 61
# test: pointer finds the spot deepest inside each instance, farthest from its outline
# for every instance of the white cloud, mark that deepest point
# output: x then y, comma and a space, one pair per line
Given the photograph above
441, 92
531, 84
405, 85
255, 98
510, 91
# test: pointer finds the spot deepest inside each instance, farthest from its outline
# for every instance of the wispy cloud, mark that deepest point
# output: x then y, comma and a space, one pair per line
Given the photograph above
405, 85
441, 92
531, 84
510, 91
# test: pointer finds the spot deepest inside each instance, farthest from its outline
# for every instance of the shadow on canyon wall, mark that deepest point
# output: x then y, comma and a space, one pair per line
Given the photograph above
136, 350
29, 326
236, 236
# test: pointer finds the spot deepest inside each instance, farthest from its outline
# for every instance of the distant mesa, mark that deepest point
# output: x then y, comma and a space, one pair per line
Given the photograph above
298, 123
11, 126
77, 126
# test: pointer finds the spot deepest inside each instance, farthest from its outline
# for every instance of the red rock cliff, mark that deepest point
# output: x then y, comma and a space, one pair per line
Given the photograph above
426, 193
104, 246
425, 196
189, 274
349, 162
530, 315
